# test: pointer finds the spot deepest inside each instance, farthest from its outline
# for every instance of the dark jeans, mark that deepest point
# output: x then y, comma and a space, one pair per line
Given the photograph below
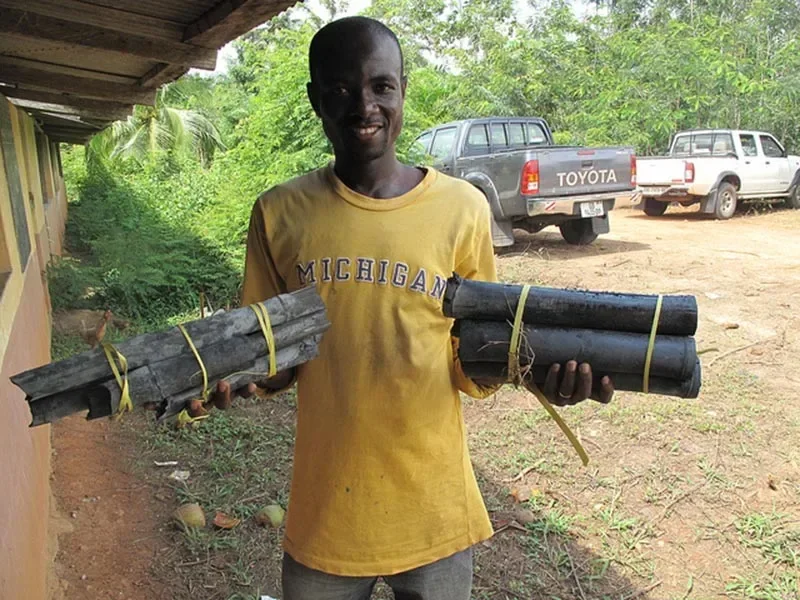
446, 579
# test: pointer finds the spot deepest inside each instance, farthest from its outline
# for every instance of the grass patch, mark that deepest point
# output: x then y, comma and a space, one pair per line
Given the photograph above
770, 533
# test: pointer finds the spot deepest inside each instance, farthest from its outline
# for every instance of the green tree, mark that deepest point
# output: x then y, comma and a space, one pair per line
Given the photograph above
163, 127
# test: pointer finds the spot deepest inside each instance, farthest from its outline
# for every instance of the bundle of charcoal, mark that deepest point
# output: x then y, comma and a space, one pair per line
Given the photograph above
610, 331
170, 368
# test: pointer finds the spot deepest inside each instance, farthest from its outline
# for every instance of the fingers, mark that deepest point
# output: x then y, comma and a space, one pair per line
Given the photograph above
584, 387
575, 383
567, 388
606, 390
551, 384
195, 408
221, 397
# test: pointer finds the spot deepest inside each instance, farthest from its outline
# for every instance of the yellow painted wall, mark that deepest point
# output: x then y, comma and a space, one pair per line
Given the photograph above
25, 344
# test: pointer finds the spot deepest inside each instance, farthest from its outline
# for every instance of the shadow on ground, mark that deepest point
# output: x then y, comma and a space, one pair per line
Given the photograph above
549, 245
542, 560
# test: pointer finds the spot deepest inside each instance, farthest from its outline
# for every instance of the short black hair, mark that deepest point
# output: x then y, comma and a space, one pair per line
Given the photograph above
330, 36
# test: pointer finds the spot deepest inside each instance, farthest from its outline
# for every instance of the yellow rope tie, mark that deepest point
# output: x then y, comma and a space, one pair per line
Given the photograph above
651, 344
266, 328
184, 418
113, 356
515, 374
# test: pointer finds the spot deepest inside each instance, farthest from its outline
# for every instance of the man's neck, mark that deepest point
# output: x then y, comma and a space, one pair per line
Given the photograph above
381, 179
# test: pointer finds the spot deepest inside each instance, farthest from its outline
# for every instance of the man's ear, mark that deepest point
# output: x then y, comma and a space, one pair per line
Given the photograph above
313, 97
403, 84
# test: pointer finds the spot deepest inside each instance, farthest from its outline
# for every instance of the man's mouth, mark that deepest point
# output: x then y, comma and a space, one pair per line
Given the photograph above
365, 132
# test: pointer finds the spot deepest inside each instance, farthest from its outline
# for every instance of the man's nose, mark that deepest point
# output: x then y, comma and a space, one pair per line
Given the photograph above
364, 102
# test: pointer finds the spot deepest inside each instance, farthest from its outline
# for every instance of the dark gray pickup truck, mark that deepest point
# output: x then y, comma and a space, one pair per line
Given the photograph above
530, 182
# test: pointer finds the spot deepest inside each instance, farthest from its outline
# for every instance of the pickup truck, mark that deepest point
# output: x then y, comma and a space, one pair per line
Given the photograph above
718, 168
529, 182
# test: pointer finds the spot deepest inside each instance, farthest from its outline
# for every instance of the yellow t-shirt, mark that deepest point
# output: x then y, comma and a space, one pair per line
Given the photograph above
382, 481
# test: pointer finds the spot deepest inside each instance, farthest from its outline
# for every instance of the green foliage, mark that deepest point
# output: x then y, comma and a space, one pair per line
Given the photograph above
154, 229
140, 255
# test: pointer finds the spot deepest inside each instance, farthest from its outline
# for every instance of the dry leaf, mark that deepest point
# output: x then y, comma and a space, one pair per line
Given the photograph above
224, 521
771, 483
730, 325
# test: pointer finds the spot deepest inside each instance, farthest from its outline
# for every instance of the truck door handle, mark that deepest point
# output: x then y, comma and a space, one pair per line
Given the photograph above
747, 162
767, 163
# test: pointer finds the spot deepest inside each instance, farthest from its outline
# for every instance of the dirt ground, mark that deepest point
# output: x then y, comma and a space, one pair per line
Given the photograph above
682, 498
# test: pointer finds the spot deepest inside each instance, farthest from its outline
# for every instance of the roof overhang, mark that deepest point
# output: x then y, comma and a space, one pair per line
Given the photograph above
79, 65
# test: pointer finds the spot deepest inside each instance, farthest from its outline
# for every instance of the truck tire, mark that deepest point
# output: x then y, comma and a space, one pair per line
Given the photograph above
725, 207
654, 208
793, 201
578, 232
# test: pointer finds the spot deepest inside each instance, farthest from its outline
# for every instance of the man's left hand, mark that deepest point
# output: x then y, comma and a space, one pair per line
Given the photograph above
573, 383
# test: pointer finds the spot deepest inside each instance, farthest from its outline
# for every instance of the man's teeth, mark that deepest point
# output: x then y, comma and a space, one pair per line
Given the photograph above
367, 130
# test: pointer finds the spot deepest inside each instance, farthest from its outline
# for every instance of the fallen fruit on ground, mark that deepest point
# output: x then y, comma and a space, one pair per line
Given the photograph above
224, 521
271, 515
190, 516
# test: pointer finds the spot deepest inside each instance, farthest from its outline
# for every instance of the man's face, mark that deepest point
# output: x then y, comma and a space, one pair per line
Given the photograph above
358, 91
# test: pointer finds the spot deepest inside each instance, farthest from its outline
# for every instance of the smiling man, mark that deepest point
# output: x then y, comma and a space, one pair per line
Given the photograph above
382, 483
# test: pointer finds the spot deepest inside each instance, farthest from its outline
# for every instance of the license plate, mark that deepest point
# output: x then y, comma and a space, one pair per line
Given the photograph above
655, 191
592, 209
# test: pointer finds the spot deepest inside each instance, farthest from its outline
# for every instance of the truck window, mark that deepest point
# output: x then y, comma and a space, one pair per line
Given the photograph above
498, 136
682, 146
477, 140
771, 147
703, 144
723, 144
748, 142
516, 134
536, 135
421, 143
442, 146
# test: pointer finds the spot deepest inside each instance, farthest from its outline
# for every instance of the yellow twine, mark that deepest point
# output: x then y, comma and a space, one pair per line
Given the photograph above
199, 361
516, 338
266, 328
651, 344
514, 372
113, 355
184, 418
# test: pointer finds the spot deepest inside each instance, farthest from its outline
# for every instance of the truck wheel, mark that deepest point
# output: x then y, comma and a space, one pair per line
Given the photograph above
726, 201
654, 208
793, 201
578, 232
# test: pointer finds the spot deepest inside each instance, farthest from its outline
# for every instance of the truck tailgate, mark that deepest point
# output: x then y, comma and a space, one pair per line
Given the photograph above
575, 171
660, 171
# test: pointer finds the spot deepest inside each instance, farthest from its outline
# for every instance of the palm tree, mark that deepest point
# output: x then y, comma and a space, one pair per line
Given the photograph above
162, 127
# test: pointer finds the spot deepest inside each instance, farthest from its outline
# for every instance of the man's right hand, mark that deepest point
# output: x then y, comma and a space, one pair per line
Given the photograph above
223, 395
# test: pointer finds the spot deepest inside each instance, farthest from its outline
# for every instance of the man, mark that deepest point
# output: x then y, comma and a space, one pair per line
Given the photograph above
382, 482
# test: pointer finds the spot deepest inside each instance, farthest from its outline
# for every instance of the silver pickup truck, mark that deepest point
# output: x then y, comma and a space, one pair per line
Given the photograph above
529, 182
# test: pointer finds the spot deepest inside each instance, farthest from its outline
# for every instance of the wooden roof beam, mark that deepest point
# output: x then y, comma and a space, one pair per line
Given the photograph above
63, 103
106, 17
31, 25
67, 121
67, 139
227, 20
58, 109
17, 74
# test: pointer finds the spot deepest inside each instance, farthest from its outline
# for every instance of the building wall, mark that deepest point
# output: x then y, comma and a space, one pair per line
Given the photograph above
31, 186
